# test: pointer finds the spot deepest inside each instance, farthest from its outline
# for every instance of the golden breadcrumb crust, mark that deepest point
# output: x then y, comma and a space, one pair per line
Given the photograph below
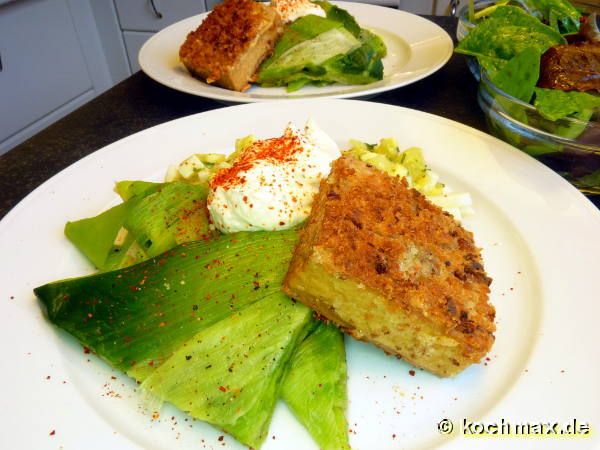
233, 29
414, 268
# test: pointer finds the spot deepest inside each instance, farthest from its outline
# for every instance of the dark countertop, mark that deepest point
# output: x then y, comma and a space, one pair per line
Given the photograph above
139, 102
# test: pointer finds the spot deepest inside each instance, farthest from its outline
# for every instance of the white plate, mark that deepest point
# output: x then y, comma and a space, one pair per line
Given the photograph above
540, 244
416, 48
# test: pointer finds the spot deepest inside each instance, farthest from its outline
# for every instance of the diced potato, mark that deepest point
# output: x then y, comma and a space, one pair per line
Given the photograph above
172, 174
241, 144
211, 158
190, 166
203, 176
120, 238
358, 147
412, 159
388, 147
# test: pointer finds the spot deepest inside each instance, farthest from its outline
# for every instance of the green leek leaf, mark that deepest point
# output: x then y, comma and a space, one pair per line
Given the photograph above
95, 236
135, 318
128, 189
229, 374
315, 387
174, 214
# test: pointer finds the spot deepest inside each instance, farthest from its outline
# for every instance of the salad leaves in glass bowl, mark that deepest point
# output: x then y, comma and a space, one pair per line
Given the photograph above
539, 75
570, 145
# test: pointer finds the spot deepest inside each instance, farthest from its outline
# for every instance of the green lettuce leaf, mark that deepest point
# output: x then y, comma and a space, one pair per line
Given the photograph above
572, 130
491, 65
302, 29
560, 11
310, 54
519, 76
589, 181
360, 66
507, 32
340, 15
555, 104
324, 50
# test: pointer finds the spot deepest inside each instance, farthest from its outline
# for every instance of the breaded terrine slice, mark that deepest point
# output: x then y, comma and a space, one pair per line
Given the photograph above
230, 44
389, 267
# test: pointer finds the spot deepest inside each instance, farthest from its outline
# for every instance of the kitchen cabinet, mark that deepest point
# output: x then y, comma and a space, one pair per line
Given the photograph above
433, 7
133, 42
139, 19
51, 63
154, 15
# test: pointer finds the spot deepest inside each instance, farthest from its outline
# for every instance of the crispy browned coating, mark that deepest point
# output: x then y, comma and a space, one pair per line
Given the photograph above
229, 45
388, 266
571, 67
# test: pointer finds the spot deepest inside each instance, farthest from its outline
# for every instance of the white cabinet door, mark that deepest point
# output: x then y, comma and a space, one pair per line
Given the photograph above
416, 6
435, 7
133, 42
153, 15
43, 66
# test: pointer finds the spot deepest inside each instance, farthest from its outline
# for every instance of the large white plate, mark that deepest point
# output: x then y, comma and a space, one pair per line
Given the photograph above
540, 243
416, 49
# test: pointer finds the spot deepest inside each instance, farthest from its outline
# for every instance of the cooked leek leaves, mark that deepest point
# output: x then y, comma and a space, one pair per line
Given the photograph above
95, 236
174, 214
230, 373
203, 325
315, 387
209, 319
154, 218
129, 189
135, 318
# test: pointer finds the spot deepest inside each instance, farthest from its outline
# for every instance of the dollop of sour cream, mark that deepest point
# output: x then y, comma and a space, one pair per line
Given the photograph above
272, 183
290, 10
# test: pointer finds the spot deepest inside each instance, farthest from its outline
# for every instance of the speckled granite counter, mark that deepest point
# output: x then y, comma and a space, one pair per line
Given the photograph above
139, 102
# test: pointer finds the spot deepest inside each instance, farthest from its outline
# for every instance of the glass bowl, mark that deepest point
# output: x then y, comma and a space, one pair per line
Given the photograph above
569, 146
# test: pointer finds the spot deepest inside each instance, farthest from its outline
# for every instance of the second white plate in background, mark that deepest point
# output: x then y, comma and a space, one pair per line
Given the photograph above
416, 48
